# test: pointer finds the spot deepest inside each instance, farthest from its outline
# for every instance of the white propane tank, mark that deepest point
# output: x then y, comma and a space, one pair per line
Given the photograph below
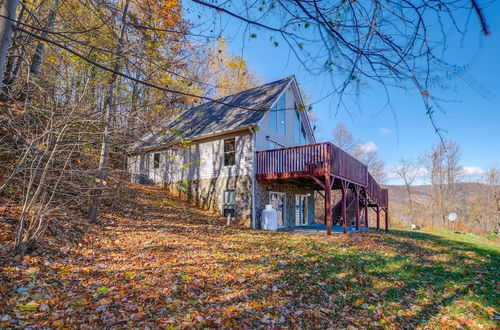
269, 218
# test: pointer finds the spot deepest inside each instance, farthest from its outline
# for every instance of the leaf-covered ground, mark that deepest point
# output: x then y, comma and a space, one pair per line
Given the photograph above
161, 263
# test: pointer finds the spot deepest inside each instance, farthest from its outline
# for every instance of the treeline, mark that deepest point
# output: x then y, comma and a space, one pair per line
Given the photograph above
82, 81
474, 198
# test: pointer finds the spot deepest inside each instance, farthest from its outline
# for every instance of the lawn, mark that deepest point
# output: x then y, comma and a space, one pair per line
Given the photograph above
161, 263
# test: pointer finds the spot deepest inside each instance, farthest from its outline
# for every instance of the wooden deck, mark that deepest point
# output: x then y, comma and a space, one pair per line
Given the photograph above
329, 167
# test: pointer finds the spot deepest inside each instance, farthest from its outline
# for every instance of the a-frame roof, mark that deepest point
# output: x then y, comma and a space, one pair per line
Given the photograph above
227, 114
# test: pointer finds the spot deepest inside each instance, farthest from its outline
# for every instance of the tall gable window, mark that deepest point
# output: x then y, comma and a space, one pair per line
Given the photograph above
273, 118
229, 152
300, 133
281, 115
277, 116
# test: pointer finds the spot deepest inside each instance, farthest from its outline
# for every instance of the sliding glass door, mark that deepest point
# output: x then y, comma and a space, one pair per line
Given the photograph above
300, 210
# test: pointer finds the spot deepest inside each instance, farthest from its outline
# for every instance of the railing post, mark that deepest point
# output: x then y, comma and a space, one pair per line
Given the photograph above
366, 210
356, 206
328, 205
344, 206
387, 218
378, 217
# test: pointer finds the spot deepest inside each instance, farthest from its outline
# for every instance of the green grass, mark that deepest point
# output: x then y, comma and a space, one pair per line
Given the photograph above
436, 277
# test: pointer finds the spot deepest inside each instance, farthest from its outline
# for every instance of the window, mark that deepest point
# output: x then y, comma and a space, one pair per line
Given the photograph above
229, 152
143, 162
300, 134
300, 210
277, 116
281, 115
273, 118
228, 203
156, 160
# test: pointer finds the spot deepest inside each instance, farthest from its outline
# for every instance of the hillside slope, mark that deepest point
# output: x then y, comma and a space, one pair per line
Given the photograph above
160, 262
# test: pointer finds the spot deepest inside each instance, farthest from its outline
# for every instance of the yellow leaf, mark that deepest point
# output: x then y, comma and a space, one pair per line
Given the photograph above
97, 180
42, 146
31, 306
358, 302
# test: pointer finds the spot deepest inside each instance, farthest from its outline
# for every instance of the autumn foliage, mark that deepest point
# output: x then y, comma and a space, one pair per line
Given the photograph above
161, 263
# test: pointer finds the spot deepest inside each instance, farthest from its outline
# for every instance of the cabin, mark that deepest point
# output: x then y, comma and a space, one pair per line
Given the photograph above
257, 147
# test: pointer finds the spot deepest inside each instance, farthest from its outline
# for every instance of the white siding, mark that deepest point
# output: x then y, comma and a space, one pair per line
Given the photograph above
200, 160
264, 133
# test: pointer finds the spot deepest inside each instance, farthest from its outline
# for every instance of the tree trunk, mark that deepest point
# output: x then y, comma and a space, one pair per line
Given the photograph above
410, 201
8, 13
12, 66
36, 62
127, 136
108, 118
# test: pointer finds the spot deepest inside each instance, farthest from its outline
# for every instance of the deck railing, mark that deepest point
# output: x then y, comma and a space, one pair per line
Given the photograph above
311, 159
292, 162
373, 189
317, 159
384, 200
346, 166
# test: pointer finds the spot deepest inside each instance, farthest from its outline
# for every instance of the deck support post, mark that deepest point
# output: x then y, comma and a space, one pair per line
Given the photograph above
366, 210
387, 218
378, 217
328, 205
356, 205
345, 185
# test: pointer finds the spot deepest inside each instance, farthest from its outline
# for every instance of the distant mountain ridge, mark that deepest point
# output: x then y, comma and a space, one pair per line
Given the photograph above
421, 193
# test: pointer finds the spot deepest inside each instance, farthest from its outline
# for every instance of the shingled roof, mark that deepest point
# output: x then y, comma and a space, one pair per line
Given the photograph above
230, 113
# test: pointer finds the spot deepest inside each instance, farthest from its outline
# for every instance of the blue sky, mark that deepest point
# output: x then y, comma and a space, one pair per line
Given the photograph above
472, 112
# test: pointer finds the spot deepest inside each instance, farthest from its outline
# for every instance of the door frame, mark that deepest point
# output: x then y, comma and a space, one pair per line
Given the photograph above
284, 206
304, 211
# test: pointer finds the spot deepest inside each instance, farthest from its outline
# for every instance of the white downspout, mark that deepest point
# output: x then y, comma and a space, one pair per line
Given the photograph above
254, 225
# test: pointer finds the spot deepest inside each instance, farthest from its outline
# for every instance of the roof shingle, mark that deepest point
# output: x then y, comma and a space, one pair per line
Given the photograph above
213, 117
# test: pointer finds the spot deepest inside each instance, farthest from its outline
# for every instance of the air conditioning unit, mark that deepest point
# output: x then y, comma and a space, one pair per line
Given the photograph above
140, 179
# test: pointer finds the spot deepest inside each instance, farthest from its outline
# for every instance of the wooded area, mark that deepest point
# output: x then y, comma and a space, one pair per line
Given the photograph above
84, 80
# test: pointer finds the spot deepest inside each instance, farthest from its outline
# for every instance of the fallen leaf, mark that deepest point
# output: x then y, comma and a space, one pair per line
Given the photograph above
102, 289
30, 306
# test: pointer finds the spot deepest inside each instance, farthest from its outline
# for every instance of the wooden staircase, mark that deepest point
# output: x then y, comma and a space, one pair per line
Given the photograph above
337, 210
